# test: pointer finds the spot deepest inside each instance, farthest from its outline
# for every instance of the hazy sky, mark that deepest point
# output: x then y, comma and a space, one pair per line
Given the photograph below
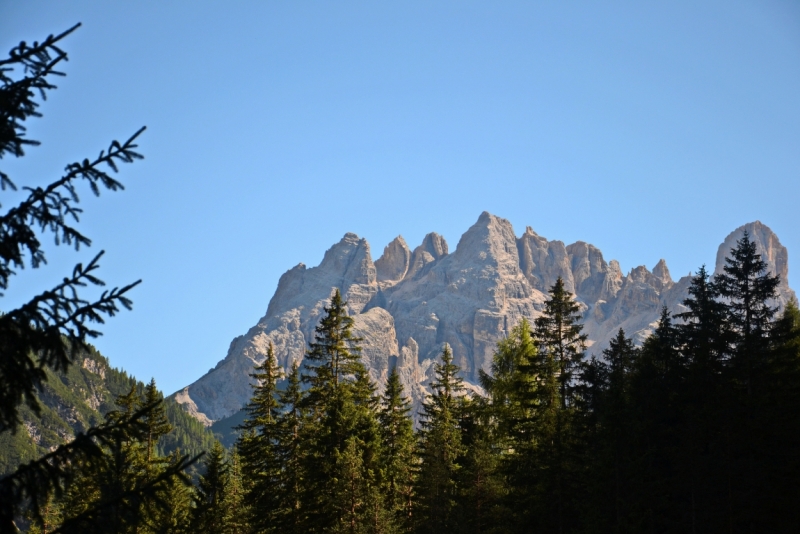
275, 127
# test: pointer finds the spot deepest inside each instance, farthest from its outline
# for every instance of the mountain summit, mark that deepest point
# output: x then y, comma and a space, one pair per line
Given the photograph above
408, 303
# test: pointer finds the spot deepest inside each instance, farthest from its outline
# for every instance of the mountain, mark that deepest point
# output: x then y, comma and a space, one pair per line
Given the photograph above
77, 399
409, 302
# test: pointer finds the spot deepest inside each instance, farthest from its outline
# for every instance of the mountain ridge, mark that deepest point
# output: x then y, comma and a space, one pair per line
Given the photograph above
407, 303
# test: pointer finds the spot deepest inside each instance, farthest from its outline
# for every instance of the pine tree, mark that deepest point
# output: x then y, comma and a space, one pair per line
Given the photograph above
209, 512
175, 517
51, 330
397, 462
705, 342
508, 384
119, 491
608, 384
341, 406
292, 447
257, 446
658, 389
236, 512
440, 449
155, 420
480, 480
781, 406
550, 490
748, 292
334, 356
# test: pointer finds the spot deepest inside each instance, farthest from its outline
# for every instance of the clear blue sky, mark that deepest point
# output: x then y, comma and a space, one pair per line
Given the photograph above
648, 129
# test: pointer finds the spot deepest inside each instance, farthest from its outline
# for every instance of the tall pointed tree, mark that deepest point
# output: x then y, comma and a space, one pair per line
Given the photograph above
608, 381
397, 459
550, 491
257, 446
440, 449
209, 511
748, 291
236, 513
156, 419
342, 415
292, 449
705, 341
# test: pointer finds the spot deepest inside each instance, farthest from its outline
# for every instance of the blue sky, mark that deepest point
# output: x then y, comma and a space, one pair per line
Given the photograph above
648, 129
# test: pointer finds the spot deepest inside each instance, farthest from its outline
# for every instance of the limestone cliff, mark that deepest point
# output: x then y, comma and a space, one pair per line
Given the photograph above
408, 303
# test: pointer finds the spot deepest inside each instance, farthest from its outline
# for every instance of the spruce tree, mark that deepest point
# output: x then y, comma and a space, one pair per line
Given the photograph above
550, 489
508, 383
236, 513
397, 459
210, 512
257, 446
440, 449
748, 291
341, 406
781, 406
480, 481
52, 330
657, 389
608, 385
705, 342
292, 447
155, 420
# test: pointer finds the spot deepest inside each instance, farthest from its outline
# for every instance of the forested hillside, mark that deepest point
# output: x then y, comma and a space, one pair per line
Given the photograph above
80, 398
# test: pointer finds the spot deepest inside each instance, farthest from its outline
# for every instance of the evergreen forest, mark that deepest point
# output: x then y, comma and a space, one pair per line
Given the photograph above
694, 431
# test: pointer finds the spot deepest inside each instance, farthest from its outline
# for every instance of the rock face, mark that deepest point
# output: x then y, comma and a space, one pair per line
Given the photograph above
407, 304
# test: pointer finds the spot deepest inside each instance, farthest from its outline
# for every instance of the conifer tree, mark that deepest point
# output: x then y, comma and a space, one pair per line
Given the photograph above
608, 382
705, 342
51, 330
210, 512
781, 406
236, 512
292, 447
748, 292
550, 488
155, 420
341, 406
509, 381
440, 449
657, 390
119, 491
257, 446
397, 461
480, 480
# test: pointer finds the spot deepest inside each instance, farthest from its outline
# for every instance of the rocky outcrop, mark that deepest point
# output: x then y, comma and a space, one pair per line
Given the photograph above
393, 265
407, 304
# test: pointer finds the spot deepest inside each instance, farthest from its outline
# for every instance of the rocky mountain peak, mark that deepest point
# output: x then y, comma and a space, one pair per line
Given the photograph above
433, 248
435, 245
351, 259
661, 274
491, 239
768, 246
408, 304
393, 265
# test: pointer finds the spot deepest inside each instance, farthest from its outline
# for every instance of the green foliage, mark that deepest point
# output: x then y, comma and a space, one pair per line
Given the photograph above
440, 449
342, 423
398, 448
258, 446
209, 511
74, 400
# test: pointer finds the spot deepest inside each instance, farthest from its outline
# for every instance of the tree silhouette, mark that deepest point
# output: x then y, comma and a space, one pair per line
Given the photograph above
52, 329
